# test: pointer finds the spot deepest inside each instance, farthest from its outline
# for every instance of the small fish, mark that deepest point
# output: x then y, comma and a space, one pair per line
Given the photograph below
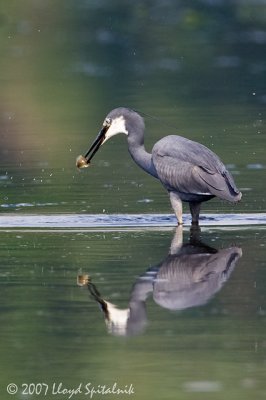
81, 162
83, 280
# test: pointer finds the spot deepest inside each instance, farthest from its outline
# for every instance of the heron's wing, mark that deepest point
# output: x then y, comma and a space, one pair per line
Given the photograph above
178, 175
191, 167
182, 149
194, 179
188, 280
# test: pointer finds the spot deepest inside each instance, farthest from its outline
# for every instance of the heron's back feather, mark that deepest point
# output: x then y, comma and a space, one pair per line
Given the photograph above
189, 167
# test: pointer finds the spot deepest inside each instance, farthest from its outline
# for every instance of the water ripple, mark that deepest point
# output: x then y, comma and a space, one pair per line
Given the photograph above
54, 221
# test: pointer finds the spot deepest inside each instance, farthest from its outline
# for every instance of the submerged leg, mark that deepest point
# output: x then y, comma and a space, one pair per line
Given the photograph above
177, 206
195, 235
195, 211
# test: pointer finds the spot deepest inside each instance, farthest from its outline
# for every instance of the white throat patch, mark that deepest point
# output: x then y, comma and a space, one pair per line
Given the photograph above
118, 125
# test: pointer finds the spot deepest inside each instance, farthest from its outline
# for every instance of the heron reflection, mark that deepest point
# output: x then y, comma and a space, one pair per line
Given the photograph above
189, 276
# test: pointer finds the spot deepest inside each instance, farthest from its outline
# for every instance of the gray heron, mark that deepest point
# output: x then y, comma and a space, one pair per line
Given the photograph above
188, 170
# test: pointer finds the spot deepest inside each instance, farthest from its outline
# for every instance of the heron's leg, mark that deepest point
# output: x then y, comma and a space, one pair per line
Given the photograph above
177, 206
195, 211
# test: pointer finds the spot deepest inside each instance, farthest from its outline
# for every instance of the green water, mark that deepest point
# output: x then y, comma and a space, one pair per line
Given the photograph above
53, 331
198, 66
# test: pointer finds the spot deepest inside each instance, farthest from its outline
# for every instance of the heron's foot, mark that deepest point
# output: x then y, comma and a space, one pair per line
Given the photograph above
195, 223
195, 228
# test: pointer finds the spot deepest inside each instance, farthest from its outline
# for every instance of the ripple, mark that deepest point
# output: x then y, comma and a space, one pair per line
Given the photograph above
202, 386
255, 166
82, 221
22, 205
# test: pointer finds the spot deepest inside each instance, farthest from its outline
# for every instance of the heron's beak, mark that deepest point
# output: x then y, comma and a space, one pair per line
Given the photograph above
96, 144
82, 162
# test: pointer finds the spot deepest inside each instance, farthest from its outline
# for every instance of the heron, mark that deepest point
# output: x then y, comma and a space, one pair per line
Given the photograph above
188, 170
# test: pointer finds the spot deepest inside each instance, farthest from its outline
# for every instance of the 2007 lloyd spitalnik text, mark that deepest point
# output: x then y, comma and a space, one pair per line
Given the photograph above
60, 389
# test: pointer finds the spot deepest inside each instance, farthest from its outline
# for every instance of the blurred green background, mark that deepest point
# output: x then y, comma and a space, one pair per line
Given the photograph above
197, 65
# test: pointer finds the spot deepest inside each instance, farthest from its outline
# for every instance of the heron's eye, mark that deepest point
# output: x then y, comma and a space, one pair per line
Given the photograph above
107, 122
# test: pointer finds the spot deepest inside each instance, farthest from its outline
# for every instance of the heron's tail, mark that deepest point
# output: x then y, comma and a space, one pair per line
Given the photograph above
237, 198
220, 184
235, 193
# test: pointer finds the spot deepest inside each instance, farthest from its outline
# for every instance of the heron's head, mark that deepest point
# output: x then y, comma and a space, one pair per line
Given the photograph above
119, 120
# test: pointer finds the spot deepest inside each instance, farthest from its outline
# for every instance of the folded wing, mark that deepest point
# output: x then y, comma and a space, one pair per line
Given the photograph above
189, 167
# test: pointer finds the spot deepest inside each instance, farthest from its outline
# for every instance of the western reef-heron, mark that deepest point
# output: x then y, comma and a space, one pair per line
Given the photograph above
188, 170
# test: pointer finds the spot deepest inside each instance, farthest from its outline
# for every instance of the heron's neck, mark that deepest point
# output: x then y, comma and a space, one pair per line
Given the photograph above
142, 157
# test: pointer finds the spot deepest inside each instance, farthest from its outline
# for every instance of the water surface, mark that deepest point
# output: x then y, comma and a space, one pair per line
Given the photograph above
58, 333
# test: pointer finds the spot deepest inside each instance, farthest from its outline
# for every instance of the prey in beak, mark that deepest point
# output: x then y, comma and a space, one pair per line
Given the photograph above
110, 128
84, 162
